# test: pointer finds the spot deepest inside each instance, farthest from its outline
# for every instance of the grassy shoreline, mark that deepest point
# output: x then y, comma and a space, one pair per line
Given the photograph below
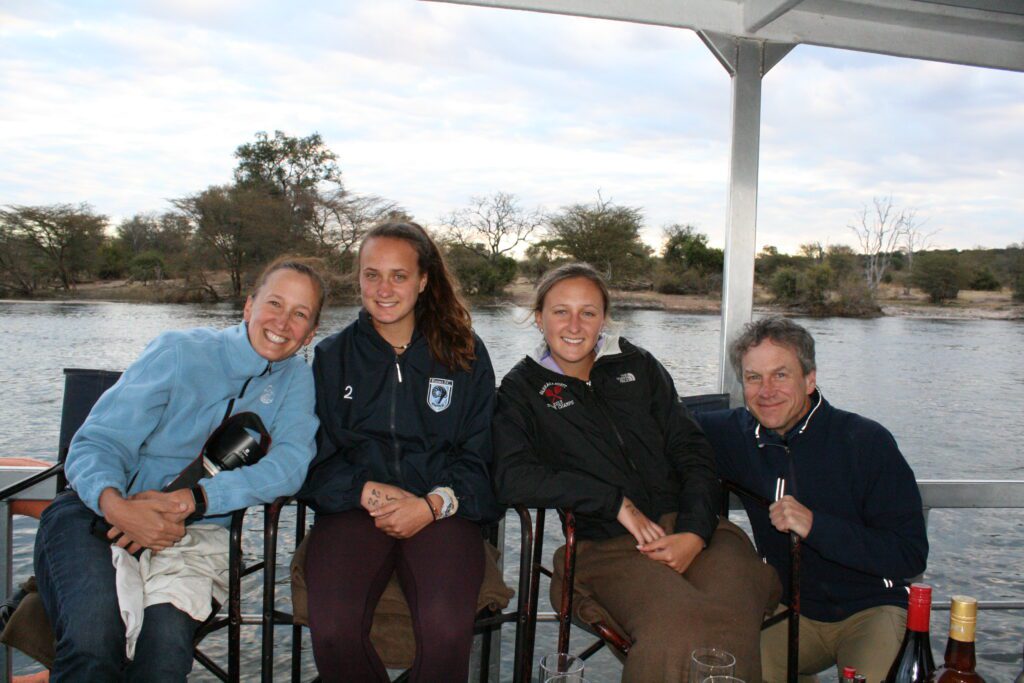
969, 305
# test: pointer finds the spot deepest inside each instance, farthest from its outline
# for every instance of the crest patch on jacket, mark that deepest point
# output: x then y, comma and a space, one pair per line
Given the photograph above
439, 393
552, 393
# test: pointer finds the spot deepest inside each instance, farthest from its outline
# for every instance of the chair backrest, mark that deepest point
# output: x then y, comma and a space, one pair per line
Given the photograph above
702, 403
82, 388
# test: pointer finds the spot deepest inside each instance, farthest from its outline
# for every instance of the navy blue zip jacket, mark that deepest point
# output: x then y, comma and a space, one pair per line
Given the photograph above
868, 535
561, 442
405, 420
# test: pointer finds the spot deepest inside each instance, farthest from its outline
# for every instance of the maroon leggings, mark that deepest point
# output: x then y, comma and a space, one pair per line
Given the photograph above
348, 565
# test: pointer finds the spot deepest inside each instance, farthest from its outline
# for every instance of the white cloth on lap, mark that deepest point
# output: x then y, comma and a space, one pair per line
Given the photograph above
190, 575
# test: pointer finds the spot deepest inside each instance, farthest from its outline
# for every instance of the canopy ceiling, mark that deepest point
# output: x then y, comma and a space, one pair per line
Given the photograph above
987, 33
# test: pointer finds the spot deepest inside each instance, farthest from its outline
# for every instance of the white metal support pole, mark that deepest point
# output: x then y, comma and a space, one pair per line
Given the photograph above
746, 61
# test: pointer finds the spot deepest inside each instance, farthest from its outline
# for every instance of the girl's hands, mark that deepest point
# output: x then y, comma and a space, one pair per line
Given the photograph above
376, 495
675, 551
403, 518
638, 524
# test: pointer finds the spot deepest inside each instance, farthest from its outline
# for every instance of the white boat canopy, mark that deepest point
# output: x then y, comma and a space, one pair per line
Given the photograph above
749, 37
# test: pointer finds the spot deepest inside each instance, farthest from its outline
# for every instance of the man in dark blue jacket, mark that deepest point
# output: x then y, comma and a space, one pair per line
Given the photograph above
839, 481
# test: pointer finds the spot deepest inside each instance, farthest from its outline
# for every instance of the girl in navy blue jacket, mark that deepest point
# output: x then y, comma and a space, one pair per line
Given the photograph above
401, 480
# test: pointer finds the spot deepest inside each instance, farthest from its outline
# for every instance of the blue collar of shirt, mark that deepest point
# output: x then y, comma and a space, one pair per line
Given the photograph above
239, 357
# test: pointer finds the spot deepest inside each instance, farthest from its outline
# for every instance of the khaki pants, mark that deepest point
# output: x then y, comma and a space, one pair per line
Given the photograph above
868, 640
719, 601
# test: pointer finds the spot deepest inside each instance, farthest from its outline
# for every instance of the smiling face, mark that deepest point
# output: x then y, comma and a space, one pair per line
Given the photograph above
280, 314
775, 388
390, 281
571, 319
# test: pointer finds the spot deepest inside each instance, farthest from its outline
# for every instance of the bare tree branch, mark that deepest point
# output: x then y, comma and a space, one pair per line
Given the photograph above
880, 230
492, 226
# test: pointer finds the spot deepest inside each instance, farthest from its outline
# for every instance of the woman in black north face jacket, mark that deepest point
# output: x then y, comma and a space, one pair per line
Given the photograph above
593, 423
400, 483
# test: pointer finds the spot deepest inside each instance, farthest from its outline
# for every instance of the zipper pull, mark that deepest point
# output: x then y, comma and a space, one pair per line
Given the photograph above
399, 369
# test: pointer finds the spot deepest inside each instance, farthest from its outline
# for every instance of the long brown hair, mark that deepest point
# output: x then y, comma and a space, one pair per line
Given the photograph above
441, 314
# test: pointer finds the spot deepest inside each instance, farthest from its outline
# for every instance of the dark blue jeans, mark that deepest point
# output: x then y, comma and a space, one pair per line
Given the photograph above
76, 582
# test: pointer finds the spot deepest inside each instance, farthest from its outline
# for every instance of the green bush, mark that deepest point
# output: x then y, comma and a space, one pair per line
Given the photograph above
479, 275
984, 280
113, 262
938, 275
784, 284
146, 266
672, 280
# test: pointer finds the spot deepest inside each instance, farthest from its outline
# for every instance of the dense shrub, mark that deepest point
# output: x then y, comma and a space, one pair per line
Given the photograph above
984, 280
148, 265
784, 284
938, 275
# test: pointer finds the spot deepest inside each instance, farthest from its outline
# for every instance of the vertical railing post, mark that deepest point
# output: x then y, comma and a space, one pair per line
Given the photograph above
6, 575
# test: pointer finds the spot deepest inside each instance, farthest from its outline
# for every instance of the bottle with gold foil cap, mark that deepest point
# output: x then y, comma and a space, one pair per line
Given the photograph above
959, 663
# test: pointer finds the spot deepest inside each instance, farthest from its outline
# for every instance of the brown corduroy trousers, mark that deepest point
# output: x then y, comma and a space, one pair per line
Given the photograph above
719, 601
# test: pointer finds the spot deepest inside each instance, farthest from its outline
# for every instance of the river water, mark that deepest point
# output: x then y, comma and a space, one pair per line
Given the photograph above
952, 393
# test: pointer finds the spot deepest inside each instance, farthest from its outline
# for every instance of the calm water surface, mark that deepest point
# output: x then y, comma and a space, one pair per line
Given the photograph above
952, 393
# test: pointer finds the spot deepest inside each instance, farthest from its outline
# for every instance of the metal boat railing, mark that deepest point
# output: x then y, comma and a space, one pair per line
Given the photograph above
936, 494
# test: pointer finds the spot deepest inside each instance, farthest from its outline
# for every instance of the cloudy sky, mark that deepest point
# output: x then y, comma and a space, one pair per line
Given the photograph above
127, 105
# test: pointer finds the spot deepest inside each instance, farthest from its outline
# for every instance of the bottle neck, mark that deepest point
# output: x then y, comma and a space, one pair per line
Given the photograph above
960, 655
918, 617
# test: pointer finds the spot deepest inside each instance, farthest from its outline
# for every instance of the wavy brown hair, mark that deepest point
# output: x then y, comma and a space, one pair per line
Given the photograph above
441, 314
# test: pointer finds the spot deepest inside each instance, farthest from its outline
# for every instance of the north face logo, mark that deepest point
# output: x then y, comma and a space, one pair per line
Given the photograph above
627, 377
552, 393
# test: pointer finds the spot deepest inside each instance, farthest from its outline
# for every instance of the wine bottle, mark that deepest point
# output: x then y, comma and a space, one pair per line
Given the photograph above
959, 662
914, 662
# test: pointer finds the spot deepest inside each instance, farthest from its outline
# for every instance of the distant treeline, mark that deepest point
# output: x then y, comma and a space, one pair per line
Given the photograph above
287, 196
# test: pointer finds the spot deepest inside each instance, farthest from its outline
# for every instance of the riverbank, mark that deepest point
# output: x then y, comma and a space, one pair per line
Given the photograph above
969, 305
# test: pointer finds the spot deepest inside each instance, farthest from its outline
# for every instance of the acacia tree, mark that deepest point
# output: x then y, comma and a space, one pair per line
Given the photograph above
68, 238
242, 225
688, 249
21, 269
880, 231
915, 240
603, 234
295, 169
492, 225
340, 219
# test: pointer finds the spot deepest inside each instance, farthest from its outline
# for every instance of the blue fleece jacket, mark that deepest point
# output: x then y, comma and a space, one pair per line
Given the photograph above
144, 430
868, 535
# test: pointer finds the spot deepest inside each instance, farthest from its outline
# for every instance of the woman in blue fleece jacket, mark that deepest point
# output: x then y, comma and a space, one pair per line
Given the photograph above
139, 436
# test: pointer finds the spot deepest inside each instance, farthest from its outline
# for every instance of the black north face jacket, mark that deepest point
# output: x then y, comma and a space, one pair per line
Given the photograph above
403, 419
563, 443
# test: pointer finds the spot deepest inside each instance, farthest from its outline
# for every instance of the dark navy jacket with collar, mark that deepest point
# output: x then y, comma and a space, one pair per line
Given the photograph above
405, 420
868, 535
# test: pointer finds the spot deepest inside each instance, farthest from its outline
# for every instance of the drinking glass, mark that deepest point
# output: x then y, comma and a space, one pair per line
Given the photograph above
710, 661
561, 664
568, 678
722, 679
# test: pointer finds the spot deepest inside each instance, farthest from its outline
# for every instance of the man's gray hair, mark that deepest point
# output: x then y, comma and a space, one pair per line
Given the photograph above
779, 330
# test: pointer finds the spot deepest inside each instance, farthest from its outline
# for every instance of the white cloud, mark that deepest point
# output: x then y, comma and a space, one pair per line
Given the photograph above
430, 103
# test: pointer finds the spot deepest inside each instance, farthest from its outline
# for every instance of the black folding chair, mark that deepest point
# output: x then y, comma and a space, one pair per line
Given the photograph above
82, 388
